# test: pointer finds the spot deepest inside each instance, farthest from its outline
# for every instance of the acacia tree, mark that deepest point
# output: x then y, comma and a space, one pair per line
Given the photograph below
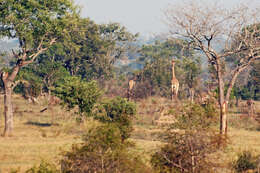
37, 25
219, 33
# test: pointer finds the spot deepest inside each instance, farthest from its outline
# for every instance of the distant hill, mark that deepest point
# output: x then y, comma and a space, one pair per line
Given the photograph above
5, 49
7, 45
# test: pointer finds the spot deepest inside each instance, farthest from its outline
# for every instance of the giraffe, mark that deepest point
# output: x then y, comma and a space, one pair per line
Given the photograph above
174, 82
131, 84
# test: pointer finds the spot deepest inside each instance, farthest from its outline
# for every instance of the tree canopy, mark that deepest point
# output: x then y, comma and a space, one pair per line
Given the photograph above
37, 25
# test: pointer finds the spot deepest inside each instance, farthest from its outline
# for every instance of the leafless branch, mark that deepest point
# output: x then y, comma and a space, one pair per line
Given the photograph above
17, 82
174, 164
15, 54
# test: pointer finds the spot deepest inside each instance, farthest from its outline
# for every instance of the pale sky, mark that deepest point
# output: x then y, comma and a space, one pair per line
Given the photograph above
143, 16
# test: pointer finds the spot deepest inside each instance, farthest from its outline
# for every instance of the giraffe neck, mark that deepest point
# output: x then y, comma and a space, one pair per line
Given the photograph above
173, 73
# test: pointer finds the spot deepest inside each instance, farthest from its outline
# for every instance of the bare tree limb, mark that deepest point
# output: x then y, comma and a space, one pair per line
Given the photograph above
174, 164
235, 74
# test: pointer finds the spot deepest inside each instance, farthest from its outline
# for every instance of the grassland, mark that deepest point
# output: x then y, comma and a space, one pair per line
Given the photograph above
44, 136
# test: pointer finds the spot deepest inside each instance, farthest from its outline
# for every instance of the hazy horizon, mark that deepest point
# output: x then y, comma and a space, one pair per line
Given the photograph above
143, 16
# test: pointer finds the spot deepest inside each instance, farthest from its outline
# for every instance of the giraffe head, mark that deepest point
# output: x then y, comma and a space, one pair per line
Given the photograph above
173, 61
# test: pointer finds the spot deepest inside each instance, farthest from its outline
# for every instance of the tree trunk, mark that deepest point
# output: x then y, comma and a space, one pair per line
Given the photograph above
237, 101
8, 108
193, 164
222, 102
191, 94
49, 95
223, 117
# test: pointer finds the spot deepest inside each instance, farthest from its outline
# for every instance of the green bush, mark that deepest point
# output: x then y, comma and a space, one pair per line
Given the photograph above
189, 142
244, 162
187, 152
103, 151
118, 111
44, 167
195, 117
75, 92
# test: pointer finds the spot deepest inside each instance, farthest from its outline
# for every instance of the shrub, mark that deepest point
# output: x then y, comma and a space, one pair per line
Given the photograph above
187, 152
244, 162
118, 111
75, 92
189, 142
195, 117
44, 167
102, 151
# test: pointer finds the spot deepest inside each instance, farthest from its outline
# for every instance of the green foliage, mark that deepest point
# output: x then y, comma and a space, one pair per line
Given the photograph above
192, 69
189, 142
117, 111
192, 117
39, 76
90, 50
244, 162
102, 151
34, 22
155, 77
156, 73
252, 89
30, 84
36, 26
44, 167
75, 92
234, 92
50, 71
186, 152
255, 80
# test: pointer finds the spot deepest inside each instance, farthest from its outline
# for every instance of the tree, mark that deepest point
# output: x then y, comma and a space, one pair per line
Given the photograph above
255, 80
220, 34
119, 112
192, 70
75, 92
189, 141
103, 151
90, 50
37, 25
50, 72
157, 59
28, 83
252, 88
111, 43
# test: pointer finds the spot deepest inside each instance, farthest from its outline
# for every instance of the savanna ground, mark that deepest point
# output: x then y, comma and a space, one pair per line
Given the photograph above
44, 136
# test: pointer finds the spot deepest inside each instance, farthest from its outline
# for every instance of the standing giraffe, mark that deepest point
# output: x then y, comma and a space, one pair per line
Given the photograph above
131, 84
175, 83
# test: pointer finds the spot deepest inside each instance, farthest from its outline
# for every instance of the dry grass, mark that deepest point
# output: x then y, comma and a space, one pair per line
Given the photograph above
45, 135
244, 132
36, 136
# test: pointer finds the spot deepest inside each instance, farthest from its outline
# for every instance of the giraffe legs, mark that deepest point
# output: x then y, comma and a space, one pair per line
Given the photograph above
172, 87
175, 89
129, 94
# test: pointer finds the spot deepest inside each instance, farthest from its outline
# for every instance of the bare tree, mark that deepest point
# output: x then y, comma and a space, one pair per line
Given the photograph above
220, 34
